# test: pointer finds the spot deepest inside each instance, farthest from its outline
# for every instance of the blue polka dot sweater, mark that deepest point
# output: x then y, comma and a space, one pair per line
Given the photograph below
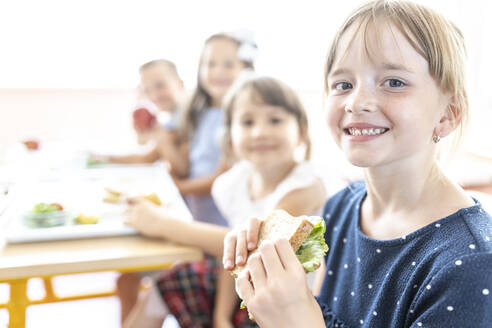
437, 276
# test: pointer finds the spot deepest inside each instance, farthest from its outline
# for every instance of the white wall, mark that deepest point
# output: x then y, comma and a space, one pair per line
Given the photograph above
68, 69
75, 114
101, 43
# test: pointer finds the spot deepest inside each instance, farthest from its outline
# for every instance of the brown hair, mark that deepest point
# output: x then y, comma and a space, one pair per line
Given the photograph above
434, 37
200, 99
169, 65
268, 91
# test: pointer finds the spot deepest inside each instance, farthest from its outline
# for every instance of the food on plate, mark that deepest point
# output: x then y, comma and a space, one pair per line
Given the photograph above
154, 198
86, 219
58, 205
117, 197
113, 196
46, 208
305, 234
44, 215
31, 144
143, 119
93, 161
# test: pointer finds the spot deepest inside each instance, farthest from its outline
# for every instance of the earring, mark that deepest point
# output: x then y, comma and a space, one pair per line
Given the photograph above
436, 138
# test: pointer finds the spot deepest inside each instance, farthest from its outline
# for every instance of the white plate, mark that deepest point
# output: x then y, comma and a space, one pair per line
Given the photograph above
82, 191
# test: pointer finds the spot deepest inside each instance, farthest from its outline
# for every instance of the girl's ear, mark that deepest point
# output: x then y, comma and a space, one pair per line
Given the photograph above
449, 120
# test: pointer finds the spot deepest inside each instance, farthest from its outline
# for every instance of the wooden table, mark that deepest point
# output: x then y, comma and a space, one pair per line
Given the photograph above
20, 262
80, 189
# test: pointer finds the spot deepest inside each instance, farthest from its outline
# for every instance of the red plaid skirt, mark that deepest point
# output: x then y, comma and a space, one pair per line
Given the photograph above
189, 292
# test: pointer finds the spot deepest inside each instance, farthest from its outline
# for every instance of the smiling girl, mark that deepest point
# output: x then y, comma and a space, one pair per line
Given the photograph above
408, 247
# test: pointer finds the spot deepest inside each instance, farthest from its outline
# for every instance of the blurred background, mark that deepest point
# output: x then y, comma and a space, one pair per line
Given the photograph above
69, 70
69, 73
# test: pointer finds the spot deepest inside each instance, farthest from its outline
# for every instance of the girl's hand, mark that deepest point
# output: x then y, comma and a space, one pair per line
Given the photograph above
237, 243
275, 291
144, 216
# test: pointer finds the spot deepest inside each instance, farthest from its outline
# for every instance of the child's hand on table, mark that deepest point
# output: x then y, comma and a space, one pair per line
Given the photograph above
144, 216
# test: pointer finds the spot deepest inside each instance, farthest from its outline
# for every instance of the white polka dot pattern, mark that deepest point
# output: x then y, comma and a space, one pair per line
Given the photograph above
429, 263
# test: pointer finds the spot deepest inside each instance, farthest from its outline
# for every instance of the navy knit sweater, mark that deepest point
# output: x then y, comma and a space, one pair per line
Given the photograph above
437, 276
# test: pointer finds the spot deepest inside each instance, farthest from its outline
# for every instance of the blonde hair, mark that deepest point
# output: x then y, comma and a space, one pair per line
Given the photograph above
268, 91
200, 98
167, 63
434, 37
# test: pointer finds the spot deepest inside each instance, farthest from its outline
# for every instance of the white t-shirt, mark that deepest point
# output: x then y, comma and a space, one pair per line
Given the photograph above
230, 192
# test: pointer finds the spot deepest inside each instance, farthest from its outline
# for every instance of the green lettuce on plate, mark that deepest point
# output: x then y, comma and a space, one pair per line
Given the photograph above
44, 208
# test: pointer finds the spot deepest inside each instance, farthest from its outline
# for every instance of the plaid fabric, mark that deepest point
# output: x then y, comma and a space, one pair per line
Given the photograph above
189, 292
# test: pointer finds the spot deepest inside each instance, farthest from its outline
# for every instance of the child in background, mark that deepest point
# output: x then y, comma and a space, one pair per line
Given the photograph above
265, 124
161, 84
200, 159
408, 248
223, 59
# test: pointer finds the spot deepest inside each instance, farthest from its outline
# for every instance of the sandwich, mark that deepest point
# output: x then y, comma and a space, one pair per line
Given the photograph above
117, 197
305, 234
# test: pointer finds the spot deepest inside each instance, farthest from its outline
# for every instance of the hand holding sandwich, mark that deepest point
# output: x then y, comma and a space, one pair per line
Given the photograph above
273, 283
275, 291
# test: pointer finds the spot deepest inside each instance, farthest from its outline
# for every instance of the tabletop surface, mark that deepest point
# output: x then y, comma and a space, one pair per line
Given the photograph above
87, 255
88, 248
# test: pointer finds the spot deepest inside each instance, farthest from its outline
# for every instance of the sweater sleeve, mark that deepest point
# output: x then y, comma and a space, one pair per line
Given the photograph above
457, 296
329, 316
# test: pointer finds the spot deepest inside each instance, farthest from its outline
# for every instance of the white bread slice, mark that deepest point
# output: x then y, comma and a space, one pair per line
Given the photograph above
280, 224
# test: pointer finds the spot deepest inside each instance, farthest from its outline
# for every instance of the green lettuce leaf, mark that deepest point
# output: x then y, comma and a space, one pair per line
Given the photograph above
44, 208
314, 248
